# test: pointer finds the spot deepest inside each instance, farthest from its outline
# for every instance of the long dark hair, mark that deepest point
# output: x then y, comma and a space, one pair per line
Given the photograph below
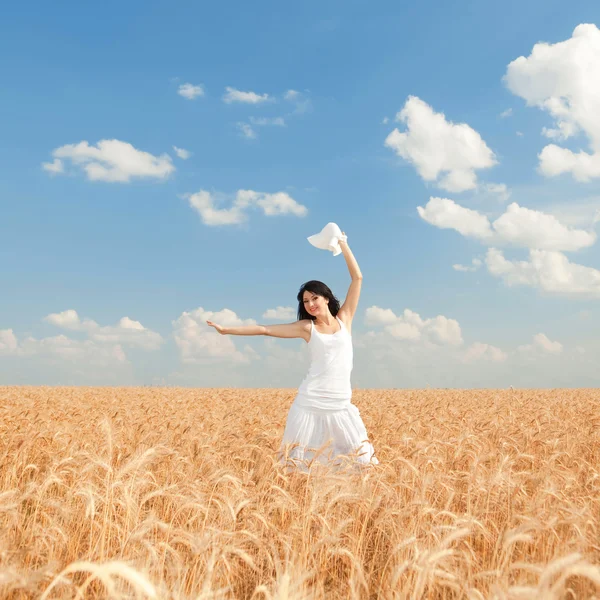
319, 288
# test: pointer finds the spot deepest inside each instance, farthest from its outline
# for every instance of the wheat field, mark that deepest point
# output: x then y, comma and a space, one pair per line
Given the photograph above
177, 493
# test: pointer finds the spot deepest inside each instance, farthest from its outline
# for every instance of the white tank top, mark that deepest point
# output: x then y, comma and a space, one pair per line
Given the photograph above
327, 384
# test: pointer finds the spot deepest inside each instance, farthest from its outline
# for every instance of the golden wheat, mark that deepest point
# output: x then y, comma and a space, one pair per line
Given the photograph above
177, 493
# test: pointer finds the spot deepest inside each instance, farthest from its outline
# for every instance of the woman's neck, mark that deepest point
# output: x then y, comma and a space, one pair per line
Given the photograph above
329, 322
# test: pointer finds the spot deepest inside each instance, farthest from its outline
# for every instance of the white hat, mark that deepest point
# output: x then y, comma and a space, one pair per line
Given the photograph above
328, 238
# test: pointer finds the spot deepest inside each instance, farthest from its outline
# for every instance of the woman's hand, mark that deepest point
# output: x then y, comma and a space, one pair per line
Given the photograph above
343, 239
219, 328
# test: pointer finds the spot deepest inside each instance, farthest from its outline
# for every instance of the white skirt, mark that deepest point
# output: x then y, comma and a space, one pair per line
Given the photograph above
326, 437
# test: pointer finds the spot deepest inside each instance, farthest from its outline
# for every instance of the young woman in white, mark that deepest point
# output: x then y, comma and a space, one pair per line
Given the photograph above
322, 423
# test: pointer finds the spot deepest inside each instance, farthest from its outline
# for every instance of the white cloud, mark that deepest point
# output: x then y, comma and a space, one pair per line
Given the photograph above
497, 189
233, 95
441, 151
541, 344
280, 203
8, 341
281, 313
520, 133
444, 330
410, 326
131, 333
56, 166
200, 343
189, 91
204, 204
127, 331
246, 130
518, 226
65, 349
563, 79
475, 264
555, 160
385, 120
69, 319
300, 100
70, 357
548, 270
507, 113
446, 214
113, 160
60, 349
181, 153
534, 229
479, 351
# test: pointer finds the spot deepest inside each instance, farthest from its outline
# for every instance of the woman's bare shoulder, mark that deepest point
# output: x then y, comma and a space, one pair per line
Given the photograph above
296, 329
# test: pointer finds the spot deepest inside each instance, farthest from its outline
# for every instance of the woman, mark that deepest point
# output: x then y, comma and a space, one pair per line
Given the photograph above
322, 412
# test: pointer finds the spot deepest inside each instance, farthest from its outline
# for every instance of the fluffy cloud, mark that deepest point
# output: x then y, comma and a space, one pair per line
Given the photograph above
246, 130
232, 95
411, 327
446, 214
102, 348
200, 343
128, 332
500, 190
441, 151
479, 351
279, 203
555, 160
518, 226
282, 313
563, 79
8, 341
475, 264
547, 270
181, 153
534, 229
69, 319
61, 349
300, 101
189, 91
112, 160
541, 344
56, 166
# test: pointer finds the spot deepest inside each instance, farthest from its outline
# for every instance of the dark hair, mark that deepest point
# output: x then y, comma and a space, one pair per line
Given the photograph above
319, 288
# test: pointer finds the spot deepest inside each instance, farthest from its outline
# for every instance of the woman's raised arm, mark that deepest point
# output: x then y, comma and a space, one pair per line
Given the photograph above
353, 268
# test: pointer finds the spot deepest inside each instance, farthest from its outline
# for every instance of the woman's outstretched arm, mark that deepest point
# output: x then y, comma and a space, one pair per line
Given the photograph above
285, 330
242, 330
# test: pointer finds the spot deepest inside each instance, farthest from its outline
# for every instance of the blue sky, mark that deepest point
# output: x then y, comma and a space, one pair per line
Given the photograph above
108, 272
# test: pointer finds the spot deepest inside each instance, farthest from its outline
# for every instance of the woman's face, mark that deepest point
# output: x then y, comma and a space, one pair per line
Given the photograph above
315, 304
